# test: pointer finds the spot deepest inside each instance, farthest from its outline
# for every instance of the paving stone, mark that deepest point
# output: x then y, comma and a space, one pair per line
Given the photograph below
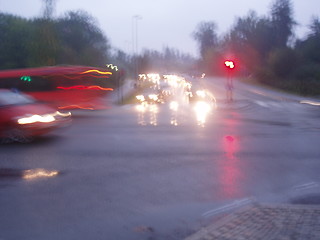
266, 222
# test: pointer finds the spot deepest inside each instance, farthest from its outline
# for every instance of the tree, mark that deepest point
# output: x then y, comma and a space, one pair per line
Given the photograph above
282, 22
44, 43
315, 27
14, 41
49, 6
82, 42
206, 37
283, 63
208, 42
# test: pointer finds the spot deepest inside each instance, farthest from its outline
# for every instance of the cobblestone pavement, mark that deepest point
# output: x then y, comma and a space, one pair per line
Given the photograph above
266, 222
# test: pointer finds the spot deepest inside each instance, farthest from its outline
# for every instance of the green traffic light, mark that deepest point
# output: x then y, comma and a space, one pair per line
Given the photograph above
26, 78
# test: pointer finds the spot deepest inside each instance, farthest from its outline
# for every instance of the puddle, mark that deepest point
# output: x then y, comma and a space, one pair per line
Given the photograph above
271, 123
311, 199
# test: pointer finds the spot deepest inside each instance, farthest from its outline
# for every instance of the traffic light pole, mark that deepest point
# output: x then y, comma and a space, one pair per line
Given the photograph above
229, 88
230, 65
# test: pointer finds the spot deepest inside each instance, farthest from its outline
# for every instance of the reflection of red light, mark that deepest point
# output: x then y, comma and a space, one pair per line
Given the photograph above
97, 71
97, 76
230, 138
81, 76
230, 146
230, 171
82, 87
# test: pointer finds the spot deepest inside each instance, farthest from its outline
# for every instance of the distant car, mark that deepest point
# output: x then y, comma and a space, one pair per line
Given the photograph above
22, 118
150, 96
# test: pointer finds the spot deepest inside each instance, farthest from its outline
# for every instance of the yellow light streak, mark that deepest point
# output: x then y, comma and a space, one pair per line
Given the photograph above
97, 71
39, 173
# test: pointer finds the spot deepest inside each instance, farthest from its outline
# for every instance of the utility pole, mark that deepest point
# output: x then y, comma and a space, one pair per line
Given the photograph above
135, 49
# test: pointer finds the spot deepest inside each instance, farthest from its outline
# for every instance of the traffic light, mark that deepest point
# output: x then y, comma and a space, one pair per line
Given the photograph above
26, 78
230, 64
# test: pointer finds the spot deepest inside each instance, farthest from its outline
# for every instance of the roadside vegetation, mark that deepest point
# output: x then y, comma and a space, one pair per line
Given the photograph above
265, 49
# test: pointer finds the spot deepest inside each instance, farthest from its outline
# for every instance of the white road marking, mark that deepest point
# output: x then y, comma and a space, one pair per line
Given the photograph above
263, 104
235, 204
305, 186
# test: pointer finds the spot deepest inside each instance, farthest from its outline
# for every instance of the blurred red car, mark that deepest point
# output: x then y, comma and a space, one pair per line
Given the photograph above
22, 118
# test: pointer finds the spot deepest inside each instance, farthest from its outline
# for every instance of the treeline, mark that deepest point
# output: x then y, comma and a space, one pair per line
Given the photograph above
265, 48
75, 39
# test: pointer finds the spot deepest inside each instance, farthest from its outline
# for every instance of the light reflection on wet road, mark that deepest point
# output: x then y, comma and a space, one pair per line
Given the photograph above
231, 174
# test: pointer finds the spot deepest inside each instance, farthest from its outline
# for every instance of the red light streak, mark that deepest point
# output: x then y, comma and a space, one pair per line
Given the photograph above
80, 76
76, 106
82, 87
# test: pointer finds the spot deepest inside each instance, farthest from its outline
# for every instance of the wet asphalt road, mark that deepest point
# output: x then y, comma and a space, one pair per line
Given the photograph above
158, 174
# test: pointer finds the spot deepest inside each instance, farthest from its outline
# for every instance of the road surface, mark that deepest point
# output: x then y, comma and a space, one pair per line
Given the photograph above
159, 173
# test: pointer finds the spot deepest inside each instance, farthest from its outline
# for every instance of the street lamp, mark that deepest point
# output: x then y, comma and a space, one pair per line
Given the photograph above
135, 50
135, 19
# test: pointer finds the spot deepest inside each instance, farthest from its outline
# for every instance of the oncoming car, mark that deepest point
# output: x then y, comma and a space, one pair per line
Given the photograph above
22, 118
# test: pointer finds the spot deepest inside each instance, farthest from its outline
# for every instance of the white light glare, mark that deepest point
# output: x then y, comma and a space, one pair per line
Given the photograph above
174, 106
153, 97
140, 98
201, 93
37, 118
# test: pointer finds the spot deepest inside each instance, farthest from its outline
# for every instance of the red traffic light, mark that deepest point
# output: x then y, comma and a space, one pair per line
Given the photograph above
229, 64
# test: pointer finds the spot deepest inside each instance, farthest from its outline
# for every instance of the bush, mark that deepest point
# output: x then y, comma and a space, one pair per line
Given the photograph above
309, 71
283, 62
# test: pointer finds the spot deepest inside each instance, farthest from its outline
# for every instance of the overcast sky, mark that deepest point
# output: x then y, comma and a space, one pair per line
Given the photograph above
163, 22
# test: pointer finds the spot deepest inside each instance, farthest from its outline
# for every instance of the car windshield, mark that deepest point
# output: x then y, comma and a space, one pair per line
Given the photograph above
13, 98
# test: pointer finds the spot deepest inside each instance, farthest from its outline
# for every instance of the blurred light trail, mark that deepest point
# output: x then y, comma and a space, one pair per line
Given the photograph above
112, 67
80, 76
96, 71
67, 114
36, 118
82, 87
313, 103
39, 173
73, 106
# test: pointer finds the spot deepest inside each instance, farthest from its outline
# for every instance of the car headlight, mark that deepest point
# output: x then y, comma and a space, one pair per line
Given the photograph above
202, 107
37, 118
140, 98
174, 106
153, 97
201, 93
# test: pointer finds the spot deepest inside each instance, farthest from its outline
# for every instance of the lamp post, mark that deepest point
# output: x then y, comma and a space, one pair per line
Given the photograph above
135, 49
